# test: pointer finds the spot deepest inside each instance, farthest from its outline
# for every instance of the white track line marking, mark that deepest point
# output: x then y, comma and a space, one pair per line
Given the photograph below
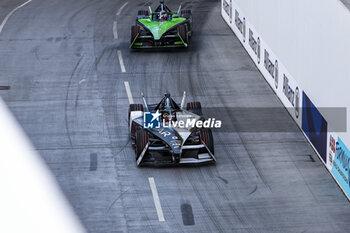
121, 8
128, 92
156, 199
9, 15
121, 62
115, 30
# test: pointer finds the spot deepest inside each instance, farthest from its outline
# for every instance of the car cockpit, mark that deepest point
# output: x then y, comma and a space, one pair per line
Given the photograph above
168, 108
162, 13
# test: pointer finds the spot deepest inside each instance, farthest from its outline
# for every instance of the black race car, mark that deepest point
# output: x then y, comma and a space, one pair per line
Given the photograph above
165, 133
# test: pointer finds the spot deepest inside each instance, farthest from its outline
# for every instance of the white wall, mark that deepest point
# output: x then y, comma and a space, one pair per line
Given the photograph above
301, 46
312, 39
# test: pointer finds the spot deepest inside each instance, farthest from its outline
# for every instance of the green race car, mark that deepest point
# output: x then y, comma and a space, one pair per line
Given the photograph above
162, 28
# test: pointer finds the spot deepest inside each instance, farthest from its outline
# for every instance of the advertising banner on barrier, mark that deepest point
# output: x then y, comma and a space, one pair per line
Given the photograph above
329, 146
315, 127
341, 166
227, 10
271, 68
331, 142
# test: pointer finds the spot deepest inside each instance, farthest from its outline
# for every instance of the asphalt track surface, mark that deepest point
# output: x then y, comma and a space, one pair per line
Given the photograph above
60, 59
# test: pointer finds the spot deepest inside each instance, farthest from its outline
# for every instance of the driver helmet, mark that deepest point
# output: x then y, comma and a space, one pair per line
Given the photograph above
163, 15
169, 116
167, 102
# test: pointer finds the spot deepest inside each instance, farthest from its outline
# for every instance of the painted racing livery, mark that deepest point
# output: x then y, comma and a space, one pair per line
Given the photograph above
162, 28
160, 138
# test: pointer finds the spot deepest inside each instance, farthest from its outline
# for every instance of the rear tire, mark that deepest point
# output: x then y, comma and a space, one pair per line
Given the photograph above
195, 107
187, 14
141, 139
207, 138
141, 14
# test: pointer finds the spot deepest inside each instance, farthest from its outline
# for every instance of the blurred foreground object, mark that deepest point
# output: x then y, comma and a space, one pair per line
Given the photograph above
30, 198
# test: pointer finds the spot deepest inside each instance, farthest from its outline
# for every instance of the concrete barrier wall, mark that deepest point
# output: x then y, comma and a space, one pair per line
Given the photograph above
302, 50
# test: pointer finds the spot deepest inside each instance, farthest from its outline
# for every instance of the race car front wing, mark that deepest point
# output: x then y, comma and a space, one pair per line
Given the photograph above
200, 158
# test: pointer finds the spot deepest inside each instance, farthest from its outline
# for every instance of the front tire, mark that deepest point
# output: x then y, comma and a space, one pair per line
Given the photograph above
141, 139
207, 138
133, 107
187, 14
134, 31
183, 31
